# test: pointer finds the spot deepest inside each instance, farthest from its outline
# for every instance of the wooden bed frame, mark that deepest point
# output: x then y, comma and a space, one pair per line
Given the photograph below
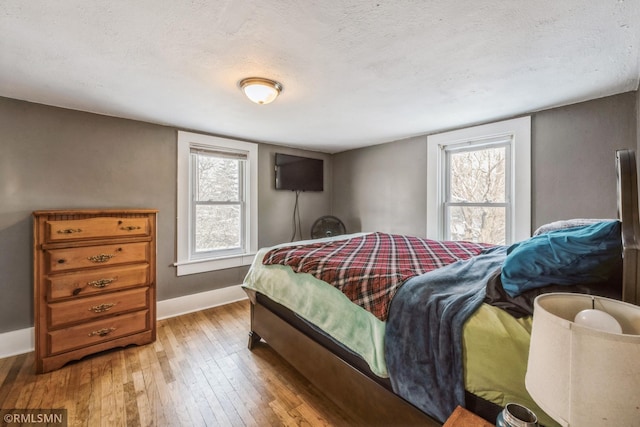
375, 404
628, 214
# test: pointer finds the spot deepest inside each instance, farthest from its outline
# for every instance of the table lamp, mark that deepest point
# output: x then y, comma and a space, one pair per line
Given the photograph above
580, 371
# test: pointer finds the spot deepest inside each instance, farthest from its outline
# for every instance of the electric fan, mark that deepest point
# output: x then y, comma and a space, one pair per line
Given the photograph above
327, 226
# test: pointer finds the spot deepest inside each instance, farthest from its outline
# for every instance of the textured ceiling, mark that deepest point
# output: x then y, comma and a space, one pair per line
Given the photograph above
355, 73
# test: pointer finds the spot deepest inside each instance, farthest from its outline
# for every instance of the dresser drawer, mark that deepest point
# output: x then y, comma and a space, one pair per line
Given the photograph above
98, 331
89, 308
95, 228
96, 256
95, 281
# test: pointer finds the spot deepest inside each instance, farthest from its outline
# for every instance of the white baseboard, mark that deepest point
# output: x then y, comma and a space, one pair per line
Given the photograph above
17, 342
196, 302
22, 340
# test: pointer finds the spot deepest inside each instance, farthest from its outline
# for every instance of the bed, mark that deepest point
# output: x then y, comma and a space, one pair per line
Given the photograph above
381, 363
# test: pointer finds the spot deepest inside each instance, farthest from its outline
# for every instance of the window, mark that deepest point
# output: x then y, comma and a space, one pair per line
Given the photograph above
479, 183
217, 203
476, 199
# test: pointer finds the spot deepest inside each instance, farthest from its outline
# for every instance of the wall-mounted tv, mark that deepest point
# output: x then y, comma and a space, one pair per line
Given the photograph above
299, 173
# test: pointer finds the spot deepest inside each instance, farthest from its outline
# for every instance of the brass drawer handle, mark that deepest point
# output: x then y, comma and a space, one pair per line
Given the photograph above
101, 257
102, 332
130, 228
69, 231
101, 283
102, 307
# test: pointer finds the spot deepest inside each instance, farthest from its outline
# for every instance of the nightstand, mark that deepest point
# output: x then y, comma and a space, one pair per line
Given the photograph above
463, 418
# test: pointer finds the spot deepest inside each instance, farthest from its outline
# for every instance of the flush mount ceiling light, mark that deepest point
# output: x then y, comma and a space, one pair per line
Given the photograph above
259, 90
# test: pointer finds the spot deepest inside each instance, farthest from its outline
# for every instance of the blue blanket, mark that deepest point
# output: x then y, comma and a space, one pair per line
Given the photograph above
423, 341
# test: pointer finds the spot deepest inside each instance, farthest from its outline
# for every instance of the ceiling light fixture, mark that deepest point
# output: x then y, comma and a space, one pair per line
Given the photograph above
259, 90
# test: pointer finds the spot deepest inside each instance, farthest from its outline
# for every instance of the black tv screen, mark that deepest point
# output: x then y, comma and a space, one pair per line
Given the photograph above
298, 173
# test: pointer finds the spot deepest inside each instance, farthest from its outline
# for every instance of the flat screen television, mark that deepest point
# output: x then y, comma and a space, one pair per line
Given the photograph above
297, 173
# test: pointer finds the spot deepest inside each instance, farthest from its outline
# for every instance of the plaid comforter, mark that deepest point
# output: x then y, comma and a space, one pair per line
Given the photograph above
369, 269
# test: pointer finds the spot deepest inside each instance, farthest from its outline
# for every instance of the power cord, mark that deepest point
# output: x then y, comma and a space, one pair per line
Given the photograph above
297, 224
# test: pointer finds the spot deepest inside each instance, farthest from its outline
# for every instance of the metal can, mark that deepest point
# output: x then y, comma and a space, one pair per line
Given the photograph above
514, 415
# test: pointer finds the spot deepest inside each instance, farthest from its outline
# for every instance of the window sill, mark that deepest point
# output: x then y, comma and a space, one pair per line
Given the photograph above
212, 264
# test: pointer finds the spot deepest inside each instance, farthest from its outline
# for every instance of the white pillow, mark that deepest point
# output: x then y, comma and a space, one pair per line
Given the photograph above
567, 223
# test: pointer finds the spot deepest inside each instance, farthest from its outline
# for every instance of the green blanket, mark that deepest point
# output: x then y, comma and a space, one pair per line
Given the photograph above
324, 306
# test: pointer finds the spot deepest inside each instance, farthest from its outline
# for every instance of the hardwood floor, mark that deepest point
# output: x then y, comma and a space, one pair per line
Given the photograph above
199, 372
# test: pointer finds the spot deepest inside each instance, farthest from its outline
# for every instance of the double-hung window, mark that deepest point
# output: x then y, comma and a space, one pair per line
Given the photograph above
217, 203
479, 186
476, 203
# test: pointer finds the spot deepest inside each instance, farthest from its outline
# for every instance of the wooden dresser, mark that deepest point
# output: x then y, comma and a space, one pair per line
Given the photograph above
94, 282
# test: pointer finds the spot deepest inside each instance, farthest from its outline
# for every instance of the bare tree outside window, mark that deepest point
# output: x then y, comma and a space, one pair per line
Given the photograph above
218, 203
476, 206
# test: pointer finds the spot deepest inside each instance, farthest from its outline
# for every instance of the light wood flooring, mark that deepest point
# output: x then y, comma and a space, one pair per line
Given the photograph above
199, 372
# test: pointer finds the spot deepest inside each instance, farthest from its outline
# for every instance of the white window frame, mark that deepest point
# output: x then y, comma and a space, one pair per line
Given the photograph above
188, 262
519, 132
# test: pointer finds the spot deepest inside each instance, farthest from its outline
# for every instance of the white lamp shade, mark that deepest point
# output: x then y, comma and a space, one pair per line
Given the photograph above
582, 376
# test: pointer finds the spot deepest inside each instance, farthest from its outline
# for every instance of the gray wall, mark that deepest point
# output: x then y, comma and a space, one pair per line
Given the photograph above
573, 157
276, 206
384, 187
54, 158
